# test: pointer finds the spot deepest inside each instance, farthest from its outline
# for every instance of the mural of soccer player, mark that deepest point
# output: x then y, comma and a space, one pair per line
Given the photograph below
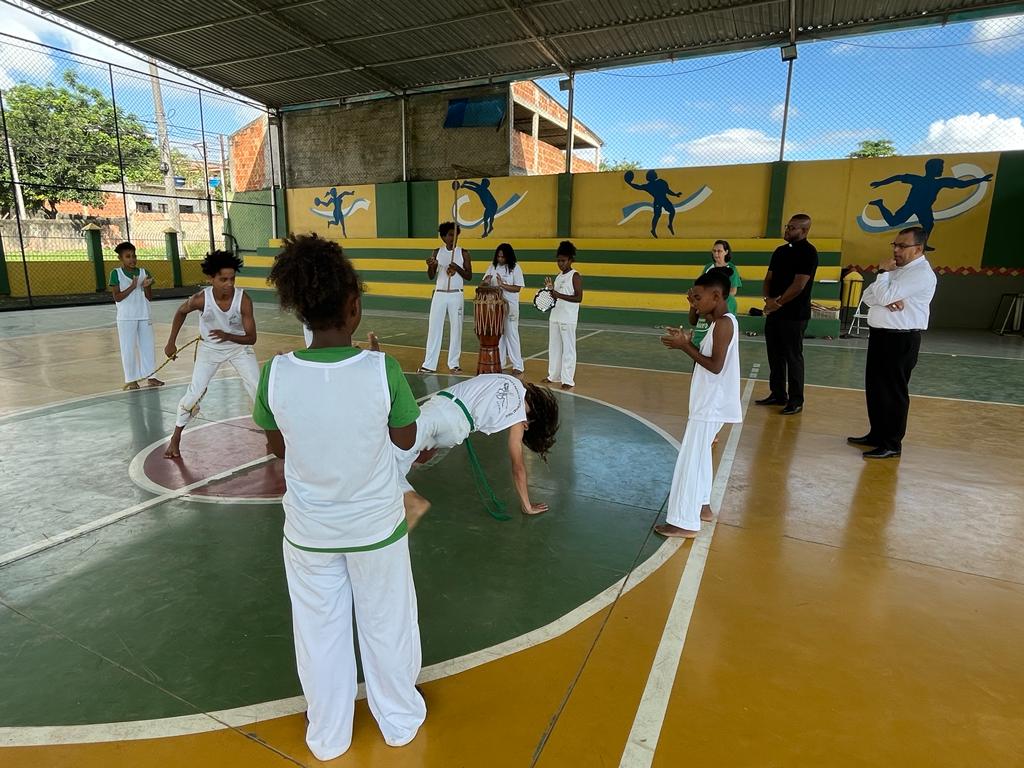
660, 191
487, 202
923, 192
333, 199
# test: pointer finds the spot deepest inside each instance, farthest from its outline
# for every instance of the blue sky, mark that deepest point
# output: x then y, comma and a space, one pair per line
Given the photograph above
935, 89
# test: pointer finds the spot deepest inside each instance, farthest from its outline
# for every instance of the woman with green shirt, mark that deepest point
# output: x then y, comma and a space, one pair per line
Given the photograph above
721, 256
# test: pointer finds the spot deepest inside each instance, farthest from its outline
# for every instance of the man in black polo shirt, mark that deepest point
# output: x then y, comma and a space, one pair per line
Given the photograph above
787, 306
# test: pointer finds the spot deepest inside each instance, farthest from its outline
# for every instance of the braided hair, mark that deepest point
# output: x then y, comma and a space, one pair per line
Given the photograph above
315, 280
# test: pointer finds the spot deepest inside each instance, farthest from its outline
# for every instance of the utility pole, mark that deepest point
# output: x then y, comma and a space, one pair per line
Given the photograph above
166, 165
19, 199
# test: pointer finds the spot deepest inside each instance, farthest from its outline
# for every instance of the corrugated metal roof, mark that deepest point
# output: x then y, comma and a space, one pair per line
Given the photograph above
286, 52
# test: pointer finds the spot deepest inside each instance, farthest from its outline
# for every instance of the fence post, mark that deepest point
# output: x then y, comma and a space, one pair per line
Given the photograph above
5, 285
91, 233
171, 243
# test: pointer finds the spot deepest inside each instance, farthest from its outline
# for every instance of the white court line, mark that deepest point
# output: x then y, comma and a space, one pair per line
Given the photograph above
578, 340
650, 715
82, 530
239, 717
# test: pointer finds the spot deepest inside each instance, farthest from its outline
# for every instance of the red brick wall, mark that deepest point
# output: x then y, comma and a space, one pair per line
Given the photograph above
525, 92
550, 159
249, 157
112, 207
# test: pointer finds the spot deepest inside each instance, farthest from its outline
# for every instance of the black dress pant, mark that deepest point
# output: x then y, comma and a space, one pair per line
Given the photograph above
784, 339
892, 356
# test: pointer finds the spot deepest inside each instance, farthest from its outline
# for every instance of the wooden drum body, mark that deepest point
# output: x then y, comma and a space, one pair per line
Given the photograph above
489, 312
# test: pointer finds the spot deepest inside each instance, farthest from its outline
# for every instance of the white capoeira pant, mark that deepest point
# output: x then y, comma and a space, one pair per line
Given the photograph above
137, 349
208, 359
324, 588
509, 346
441, 424
694, 474
443, 305
562, 352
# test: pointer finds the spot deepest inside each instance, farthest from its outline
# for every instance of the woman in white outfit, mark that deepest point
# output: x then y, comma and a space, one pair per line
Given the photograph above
506, 274
450, 267
227, 328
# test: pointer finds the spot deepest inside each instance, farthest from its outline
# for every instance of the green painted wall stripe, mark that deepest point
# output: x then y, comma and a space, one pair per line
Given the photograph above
423, 209
564, 225
392, 209
776, 199
282, 211
1002, 243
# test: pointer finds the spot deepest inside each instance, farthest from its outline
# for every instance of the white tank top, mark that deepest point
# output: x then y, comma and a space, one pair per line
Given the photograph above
715, 397
214, 319
134, 306
444, 258
336, 410
565, 311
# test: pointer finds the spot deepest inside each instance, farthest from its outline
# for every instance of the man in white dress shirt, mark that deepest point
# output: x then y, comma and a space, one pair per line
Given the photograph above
898, 308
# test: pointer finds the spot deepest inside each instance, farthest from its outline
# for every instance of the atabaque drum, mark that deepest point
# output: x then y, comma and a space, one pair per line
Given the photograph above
489, 312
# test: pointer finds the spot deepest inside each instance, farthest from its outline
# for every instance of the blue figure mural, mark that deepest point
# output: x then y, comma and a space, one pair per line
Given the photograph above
333, 199
660, 191
487, 202
924, 190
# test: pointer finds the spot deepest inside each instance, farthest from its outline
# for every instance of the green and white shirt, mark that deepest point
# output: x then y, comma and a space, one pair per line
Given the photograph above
334, 406
134, 306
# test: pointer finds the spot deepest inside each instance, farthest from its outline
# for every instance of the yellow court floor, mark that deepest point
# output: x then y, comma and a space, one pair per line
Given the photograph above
838, 613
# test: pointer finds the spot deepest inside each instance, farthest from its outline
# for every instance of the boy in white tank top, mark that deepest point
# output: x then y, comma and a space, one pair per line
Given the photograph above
567, 288
132, 289
714, 401
336, 414
227, 330
450, 267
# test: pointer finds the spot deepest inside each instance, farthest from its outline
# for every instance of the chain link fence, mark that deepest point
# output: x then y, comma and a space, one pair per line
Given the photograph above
89, 147
934, 89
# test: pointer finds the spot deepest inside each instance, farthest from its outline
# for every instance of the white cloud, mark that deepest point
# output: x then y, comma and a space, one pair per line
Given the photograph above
779, 110
668, 160
21, 62
663, 127
974, 133
993, 35
1010, 91
733, 145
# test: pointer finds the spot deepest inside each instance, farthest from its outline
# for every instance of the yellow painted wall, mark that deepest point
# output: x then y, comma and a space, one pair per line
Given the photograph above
732, 202
305, 216
527, 206
56, 278
836, 194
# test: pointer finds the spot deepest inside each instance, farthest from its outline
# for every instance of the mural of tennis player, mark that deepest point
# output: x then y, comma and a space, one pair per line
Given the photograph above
923, 192
487, 201
332, 198
660, 191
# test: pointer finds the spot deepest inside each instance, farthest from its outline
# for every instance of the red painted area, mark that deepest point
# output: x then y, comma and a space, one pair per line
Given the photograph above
209, 450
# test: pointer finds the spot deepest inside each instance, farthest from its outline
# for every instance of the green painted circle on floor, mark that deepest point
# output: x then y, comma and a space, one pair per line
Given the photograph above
184, 609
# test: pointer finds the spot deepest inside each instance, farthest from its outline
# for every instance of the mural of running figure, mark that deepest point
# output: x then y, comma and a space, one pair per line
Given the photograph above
923, 192
332, 198
487, 201
660, 191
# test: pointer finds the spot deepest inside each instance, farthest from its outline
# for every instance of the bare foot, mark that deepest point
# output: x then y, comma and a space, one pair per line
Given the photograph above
674, 532
173, 450
568, 386
425, 370
456, 369
155, 383
374, 342
415, 507
546, 380
132, 385
517, 374
706, 514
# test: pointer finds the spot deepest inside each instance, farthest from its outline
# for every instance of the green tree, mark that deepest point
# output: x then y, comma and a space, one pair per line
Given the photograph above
874, 148
64, 141
620, 165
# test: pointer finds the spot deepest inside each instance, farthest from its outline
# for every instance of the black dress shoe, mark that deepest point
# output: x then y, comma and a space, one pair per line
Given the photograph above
867, 441
791, 410
882, 453
770, 400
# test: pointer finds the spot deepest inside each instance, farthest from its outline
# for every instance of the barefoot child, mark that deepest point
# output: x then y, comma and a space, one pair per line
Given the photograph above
714, 401
488, 403
336, 415
227, 329
567, 288
131, 287
506, 274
